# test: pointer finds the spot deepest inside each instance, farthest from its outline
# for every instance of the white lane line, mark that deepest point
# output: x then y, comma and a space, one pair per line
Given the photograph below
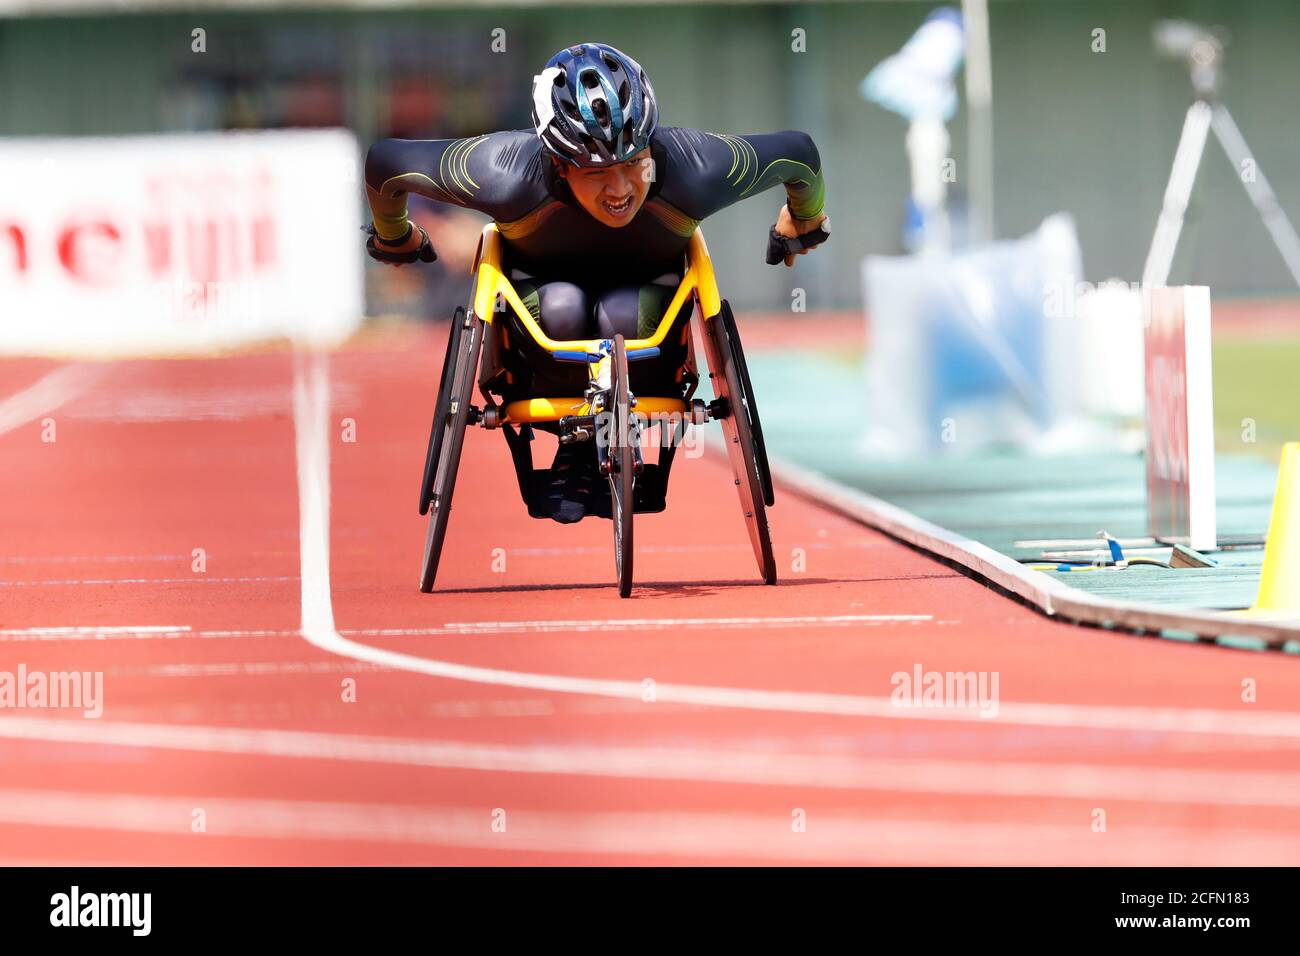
47, 394
15, 634
482, 628
650, 624
830, 837
692, 549
311, 406
258, 669
192, 579
1134, 720
687, 622
54, 633
88, 558
311, 427
195, 402
10, 862
649, 549
965, 778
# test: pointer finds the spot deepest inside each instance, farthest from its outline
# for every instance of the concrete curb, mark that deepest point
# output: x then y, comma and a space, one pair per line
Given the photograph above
1049, 595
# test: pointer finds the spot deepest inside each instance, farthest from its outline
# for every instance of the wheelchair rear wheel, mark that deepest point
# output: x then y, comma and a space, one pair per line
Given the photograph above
751, 405
748, 458
451, 418
438, 428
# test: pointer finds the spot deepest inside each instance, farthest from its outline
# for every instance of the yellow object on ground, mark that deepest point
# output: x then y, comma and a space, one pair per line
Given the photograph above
1279, 584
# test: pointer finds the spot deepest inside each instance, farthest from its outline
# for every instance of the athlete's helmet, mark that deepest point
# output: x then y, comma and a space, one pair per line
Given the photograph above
593, 105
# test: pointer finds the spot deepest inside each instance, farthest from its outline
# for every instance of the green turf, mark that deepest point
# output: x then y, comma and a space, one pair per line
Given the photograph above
1256, 380
1005, 500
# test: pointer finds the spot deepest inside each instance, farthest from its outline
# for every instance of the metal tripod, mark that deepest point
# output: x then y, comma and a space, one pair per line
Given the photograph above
1209, 113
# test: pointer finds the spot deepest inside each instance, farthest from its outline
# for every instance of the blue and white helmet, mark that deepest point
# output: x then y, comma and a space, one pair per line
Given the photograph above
593, 105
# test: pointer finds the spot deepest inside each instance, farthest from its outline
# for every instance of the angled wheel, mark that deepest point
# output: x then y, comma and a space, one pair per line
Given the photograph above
622, 461
438, 429
748, 460
751, 405
451, 418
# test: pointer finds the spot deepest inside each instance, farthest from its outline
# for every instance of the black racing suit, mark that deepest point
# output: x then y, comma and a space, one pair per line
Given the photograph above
560, 258
550, 238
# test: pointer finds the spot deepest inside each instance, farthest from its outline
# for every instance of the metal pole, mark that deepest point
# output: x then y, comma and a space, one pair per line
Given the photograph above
979, 99
1257, 187
1187, 159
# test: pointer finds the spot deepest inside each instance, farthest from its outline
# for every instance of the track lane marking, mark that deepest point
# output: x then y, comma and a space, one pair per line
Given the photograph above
16, 634
679, 622
311, 431
475, 628
692, 549
192, 579
54, 633
47, 394
744, 835
89, 558
968, 778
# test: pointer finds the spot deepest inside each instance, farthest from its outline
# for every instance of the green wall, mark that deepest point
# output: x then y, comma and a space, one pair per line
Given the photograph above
1089, 133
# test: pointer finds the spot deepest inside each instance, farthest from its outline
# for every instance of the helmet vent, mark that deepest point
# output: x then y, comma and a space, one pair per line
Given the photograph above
592, 86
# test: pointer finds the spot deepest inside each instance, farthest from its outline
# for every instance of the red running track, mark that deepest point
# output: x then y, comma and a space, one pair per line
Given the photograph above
286, 695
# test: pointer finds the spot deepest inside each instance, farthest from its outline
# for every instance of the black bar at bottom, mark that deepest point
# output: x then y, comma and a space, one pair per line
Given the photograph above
327, 906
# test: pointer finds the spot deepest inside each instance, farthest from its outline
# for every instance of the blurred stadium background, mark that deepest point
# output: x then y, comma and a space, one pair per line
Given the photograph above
160, 462
1089, 133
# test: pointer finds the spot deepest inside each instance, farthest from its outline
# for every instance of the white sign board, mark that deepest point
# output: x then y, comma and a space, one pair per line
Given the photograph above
1180, 417
178, 244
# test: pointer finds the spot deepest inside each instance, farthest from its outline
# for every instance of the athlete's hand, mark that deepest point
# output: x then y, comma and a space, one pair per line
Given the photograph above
416, 247
788, 227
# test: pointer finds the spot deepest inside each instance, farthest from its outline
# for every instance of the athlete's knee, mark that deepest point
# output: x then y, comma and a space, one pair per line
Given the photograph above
618, 312
564, 310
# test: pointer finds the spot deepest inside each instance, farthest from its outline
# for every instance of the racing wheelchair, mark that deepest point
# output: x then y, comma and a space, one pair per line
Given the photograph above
607, 391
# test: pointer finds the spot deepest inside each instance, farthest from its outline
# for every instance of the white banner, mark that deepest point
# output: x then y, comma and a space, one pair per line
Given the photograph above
1180, 418
179, 244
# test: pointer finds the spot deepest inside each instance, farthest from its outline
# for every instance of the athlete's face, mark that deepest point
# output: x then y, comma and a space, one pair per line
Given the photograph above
612, 194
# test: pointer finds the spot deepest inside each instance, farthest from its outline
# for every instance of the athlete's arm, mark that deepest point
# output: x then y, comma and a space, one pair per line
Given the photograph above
710, 171
498, 174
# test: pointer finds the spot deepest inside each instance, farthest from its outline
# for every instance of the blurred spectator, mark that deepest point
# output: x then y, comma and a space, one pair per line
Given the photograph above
432, 84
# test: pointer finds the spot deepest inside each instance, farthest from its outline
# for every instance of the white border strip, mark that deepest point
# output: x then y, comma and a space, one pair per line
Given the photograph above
1199, 385
1047, 594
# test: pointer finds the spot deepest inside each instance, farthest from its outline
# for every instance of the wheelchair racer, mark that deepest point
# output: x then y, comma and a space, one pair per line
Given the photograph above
595, 206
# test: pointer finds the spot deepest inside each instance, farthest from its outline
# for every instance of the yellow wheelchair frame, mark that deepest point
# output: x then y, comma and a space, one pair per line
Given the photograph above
607, 406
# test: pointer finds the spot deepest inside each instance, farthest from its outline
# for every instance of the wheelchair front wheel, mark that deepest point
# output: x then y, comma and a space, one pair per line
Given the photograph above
622, 461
